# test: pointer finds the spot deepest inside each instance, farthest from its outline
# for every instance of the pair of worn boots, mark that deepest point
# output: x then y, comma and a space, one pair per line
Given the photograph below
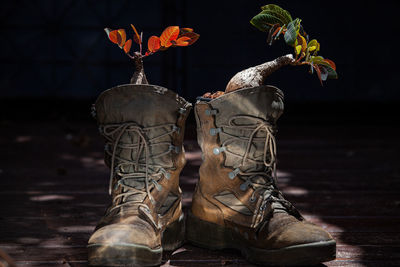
236, 203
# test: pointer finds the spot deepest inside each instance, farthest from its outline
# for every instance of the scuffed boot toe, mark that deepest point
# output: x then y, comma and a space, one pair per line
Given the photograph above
123, 244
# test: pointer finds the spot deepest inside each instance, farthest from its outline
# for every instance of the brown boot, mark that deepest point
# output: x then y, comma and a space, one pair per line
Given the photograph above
143, 126
237, 203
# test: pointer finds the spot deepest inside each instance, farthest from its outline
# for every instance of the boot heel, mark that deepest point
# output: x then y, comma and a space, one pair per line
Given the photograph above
174, 235
206, 234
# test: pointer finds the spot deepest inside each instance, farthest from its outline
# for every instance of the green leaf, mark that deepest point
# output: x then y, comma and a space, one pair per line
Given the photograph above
331, 73
317, 60
321, 63
313, 45
324, 73
278, 12
292, 31
298, 49
264, 22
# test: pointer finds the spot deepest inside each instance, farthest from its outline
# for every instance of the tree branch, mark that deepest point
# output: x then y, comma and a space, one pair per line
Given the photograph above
255, 76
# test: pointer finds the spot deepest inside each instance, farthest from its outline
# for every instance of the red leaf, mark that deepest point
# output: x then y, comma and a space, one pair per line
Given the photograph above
192, 35
168, 35
316, 67
185, 30
182, 41
113, 35
153, 44
136, 36
122, 34
127, 46
331, 63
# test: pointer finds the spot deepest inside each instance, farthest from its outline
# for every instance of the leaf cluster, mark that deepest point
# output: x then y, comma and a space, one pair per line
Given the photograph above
278, 22
172, 36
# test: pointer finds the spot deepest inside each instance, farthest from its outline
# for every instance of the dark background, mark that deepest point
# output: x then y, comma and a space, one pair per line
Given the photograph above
338, 144
56, 59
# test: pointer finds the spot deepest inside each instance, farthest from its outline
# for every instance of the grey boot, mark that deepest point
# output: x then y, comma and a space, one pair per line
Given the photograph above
143, 126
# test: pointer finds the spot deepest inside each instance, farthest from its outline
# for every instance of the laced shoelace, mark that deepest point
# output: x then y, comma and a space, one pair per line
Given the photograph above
268, 189
152, 172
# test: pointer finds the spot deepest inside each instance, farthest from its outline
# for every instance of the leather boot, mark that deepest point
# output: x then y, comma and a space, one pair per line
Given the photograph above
143, 126
237, 203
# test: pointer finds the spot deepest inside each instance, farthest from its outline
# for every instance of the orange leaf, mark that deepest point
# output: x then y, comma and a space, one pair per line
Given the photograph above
182, 41
122, 33
127, 46
331, 63
113, 35
136, 36
193, 37
168, 35
153, 44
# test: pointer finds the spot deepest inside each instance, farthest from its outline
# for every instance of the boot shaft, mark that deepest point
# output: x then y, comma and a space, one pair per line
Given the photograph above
226, 124
156, 112
236, 135
143, 126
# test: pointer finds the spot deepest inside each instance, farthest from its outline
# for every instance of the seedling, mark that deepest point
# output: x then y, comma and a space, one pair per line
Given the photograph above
277, 22
172, 36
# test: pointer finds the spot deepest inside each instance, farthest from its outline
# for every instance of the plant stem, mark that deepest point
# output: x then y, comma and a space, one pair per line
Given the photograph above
138, 77
255, 76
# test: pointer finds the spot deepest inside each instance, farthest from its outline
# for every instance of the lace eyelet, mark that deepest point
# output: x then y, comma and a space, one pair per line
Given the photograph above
218, 150
176, 129
233, 173
182, 111
210, 112
243, 186
215, 131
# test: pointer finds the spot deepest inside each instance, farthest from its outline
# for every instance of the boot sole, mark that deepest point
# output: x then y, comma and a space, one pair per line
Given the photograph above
134, 254
213, 236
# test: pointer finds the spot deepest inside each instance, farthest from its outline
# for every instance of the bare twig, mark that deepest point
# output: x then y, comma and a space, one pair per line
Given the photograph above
255, 76
138, 77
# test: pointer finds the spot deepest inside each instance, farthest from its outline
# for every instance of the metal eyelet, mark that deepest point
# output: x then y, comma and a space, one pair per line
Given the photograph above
218, 150
176, 129
210, 112
167, 175
233, 173
243, 187
158, 186
215, 131
176, 149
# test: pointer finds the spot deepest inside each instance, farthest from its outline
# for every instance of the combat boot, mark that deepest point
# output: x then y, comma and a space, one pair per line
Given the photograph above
143, 126
237, 203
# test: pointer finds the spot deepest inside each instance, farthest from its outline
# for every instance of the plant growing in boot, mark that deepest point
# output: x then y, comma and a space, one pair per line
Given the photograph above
278, 23
172, 36
143, 127
237, 202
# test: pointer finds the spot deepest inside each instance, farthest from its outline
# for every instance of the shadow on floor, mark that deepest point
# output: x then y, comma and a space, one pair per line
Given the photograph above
53, 190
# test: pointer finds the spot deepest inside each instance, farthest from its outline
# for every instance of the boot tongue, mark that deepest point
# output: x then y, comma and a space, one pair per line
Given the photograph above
138, 122
264, 103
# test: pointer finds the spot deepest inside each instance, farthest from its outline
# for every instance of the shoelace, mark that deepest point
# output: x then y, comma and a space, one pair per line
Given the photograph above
268, 190
142, 146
